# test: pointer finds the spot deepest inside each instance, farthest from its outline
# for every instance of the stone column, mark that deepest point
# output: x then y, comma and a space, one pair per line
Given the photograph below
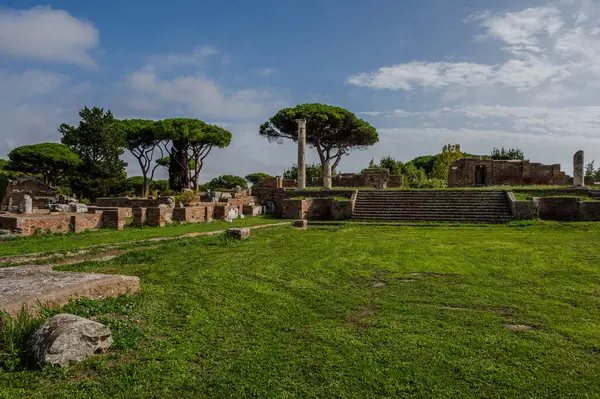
578, 169
301, 153
27, 204
327, 176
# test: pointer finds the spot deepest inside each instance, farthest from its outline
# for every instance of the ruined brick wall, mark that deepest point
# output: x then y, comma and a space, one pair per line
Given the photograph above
221, 211
139, 216
589, 211
114, 218
86, 221
316, 208
341, 210
369, 178
277, 196
193, 214
31, 224
39, 192
292, 209
129, 202
464, 173
159, 216
128, 212
558, 208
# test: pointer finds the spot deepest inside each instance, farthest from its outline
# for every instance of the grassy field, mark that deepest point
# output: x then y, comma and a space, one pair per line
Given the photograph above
350, 312
69, 242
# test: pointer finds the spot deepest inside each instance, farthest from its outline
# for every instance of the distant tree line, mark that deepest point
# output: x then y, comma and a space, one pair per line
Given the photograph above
87, 161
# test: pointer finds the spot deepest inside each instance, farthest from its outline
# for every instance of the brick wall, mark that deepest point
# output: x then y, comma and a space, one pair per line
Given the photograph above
158, 216
39, 192
463, 173
316, 208
87, 221
114, 218
139, 216
590, 211
190, 214
128, 202
559, 208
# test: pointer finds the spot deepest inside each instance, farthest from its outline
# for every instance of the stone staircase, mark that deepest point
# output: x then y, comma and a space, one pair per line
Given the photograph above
467, 206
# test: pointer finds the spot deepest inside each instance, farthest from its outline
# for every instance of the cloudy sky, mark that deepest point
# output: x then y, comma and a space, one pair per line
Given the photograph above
481, 73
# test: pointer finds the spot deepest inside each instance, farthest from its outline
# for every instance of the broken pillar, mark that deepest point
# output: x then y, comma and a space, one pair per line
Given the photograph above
578, 169
327, 176
26, 204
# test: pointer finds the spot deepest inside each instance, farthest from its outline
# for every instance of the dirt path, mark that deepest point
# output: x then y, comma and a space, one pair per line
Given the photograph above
108, 251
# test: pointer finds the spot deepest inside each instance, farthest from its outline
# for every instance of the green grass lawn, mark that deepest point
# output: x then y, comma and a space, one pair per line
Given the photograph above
347, 312
67, 242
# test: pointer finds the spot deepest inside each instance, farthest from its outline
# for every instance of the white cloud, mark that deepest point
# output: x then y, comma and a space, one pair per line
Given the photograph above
267, 72
45, 34
198, 95
544, 92
521, 29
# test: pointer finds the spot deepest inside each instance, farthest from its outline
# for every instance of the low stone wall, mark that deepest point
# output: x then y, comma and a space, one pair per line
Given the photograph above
114, 218
130, 202
128, 212
193, 214
274, 197
538, 192
558, 208
28, 224
554, 208
316, 208
341, 210
589, 211
87, 221
139, 216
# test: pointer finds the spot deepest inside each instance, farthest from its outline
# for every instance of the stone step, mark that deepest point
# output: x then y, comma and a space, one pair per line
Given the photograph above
428, 215
431, 207
436, 219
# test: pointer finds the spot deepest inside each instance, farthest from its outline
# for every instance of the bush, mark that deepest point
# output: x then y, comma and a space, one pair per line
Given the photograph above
186, 197
227, 182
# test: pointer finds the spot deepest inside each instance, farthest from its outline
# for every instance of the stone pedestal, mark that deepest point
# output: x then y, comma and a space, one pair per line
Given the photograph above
302, 224
578, 169
301, 153
240, 234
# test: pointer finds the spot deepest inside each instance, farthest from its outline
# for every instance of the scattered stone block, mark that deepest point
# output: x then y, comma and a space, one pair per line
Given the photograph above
303, 224
63, 208
32, 285
253, 210
65, 339
240, 234
78, 208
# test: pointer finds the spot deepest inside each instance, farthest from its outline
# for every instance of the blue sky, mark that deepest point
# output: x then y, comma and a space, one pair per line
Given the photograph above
481, 73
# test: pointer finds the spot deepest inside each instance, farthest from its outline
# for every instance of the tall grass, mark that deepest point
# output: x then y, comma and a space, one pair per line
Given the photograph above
15, 333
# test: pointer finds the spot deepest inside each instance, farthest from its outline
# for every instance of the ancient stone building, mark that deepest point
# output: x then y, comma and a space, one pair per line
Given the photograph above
469, 172
41, 193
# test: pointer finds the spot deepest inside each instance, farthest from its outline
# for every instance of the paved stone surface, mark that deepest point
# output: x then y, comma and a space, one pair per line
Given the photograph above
26, 285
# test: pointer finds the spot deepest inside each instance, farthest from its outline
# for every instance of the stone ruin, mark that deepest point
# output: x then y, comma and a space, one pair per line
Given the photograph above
472, 172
